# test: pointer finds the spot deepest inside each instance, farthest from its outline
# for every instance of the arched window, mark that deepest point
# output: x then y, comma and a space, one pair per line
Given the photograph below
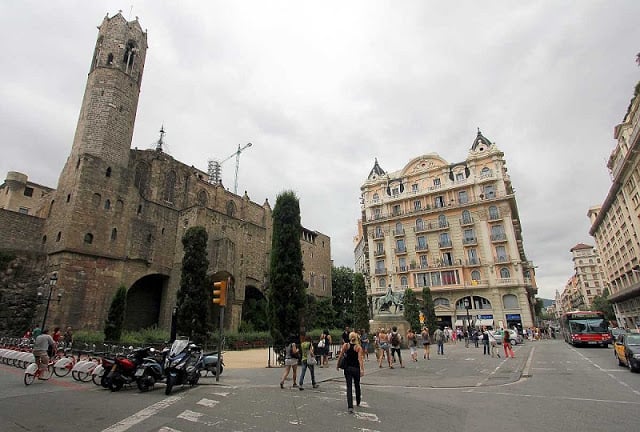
107, 204
110, 59
510, 301
404, 282
376, 197
419, 224
108, 173
494, 213
88, 238
382, 283
399, 229
129, 55
114, 234
44, 239
504, 273
50, 208
96, 199
169, 186
141, 177
231, 208
202, 198
59, 236
475, 275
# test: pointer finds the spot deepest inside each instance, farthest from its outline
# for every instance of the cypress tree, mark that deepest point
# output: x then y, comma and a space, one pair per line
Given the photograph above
115, 318
286, 293
429, 310
411, 309
193, 296
360, 305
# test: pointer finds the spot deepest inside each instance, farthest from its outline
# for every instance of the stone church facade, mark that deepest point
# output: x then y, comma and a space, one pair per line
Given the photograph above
118, 214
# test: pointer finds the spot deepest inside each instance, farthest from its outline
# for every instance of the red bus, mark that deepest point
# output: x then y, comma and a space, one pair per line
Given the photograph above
585, 328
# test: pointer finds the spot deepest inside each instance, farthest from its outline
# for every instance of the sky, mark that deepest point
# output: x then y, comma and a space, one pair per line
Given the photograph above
321, 89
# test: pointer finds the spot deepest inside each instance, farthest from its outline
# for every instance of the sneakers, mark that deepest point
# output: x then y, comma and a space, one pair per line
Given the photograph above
316, 386
301, 388
350, 410
295, 385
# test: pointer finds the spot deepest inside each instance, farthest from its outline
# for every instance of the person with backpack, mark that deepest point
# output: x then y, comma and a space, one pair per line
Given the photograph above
396, 340
353, 362
291, 356
439, 337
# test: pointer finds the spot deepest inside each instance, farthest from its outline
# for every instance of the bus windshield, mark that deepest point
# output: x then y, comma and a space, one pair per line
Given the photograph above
588, 325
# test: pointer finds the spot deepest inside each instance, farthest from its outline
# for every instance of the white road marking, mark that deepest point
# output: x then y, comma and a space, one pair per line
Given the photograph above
622, 383
167, 429
366, 416
513, 395
194, 417
208, 402
142, 415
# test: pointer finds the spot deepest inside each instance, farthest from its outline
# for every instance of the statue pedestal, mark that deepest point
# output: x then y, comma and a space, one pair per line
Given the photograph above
388, 321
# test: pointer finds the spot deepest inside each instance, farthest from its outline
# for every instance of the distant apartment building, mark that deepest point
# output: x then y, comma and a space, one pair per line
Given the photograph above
588, 280
452, 227
615, 225
20, 195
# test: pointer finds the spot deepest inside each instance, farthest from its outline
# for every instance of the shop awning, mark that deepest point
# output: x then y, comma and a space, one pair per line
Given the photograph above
459, 323
485, 322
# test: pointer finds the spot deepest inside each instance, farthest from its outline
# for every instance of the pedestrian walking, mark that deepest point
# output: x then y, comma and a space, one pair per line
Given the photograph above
494, 345
353, 369
291, 356
383, 341
506, 344
438, 336
485, 341
396, 341
426, 342
412, 341
324, 358
308, 361
364, 339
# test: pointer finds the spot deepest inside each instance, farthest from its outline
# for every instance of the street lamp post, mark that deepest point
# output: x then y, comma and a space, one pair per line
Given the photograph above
467, 305
53, 280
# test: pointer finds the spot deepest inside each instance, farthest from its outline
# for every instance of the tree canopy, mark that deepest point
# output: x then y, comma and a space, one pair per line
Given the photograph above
342, 286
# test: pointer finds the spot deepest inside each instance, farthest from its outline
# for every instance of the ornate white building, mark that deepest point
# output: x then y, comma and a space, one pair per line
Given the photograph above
452, 227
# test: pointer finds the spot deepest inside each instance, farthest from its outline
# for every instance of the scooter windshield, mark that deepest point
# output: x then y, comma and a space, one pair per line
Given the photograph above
178, 346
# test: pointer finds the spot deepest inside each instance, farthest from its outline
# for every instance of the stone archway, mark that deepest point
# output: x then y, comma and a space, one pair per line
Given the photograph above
144, 299
254, 309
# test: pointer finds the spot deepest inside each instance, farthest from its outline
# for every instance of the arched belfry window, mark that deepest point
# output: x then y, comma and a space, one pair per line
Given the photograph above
110, 59
129, 55
88, 238
170, 186
108, 173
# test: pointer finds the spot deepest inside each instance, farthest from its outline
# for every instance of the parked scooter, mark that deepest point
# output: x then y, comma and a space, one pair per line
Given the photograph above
183, 364
124, 369
151, 370
210, 363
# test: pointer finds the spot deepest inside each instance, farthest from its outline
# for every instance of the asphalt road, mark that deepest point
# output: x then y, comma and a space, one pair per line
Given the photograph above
549, 386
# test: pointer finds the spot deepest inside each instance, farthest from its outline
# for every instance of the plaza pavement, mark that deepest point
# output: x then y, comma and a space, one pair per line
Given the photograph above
459, 367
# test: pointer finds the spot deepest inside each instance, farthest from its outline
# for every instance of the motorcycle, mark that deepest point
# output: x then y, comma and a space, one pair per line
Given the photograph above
150, 371
210, 363
124, 369
182, 365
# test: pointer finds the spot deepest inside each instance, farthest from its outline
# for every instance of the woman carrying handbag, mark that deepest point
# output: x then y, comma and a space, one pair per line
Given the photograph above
352, 361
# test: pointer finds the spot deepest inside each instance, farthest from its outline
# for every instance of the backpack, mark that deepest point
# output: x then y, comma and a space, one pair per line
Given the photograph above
395, 339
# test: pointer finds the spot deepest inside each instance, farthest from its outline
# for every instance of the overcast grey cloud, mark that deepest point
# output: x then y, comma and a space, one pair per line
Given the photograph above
322, 88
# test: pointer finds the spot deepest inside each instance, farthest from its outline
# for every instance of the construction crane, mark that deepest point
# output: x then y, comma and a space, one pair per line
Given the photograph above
215, 168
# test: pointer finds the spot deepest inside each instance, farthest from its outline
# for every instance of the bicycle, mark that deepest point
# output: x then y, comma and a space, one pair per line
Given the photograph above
34, 371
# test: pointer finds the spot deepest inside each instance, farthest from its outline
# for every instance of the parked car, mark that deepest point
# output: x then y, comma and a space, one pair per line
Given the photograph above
627, 350
514, 336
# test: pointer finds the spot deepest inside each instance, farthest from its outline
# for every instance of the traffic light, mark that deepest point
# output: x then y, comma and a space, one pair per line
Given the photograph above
220, 293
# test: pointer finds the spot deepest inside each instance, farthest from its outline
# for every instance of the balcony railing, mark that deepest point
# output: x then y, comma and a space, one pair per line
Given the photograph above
473, 262
445, 244
377, 235
470, 241
378, 252
422, 247
381, 271
399, 232
499, 237
402, 269
502, 258
467, 221
400, 251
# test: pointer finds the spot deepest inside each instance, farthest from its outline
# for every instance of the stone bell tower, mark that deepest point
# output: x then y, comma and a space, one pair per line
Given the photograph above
86, 212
